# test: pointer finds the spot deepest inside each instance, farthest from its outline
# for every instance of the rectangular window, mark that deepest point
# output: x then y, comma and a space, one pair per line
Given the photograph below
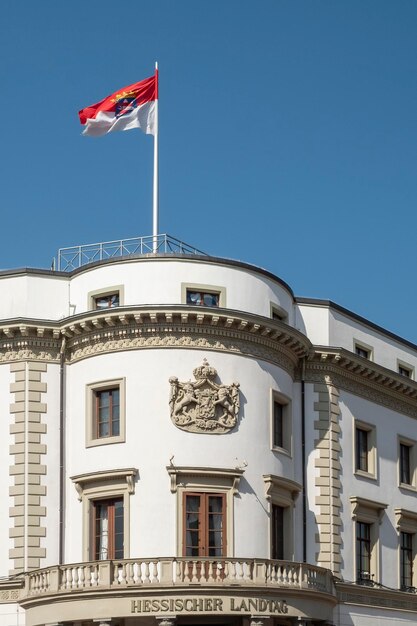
106, 301
281, 422
108, 540
204, 525
203, 298
404, 371
363, 352
277, 548
107, 413
406, 560
278, 313
278, 424
365, 449
362, 449
407, 470
363, 552
405, 464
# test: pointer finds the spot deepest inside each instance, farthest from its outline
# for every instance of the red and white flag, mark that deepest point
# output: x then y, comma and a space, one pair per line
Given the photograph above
131, 107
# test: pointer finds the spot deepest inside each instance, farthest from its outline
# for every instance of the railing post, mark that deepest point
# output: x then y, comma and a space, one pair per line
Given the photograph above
259, 572
304, 576
26, 588
105, 573
54, 579
166, 574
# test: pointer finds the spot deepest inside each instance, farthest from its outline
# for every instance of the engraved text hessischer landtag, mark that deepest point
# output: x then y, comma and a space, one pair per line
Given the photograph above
209, 605
203, 406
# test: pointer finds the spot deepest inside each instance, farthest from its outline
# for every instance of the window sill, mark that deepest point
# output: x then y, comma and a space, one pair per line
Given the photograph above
104, 441
362, 474
408, 487
281, 451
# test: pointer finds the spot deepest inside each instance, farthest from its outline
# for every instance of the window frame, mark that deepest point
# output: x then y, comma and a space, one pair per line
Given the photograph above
205, 480
101, 486
211, 289
277, 313
369, 512
278, 534
113, 419
278, 398
371, 471
92, 296
91, 422
410, 550
203, 524
412, 447
282, 492
111, 520
362, 575
360, 345
407, 367
406, 522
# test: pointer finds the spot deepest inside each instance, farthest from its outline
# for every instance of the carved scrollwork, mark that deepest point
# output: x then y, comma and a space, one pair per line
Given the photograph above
204, 406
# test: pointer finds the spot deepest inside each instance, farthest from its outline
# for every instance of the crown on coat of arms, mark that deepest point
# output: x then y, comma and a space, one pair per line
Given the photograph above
204, 371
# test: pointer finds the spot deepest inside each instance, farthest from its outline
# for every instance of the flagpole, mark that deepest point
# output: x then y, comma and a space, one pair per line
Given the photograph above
155, 171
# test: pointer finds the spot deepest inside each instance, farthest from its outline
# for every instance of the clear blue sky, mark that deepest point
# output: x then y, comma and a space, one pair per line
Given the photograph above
288, 137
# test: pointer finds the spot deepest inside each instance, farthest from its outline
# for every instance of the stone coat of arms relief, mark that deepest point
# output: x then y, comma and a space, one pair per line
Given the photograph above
203, 406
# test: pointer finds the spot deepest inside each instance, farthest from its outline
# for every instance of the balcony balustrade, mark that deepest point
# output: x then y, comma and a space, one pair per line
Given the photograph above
177, 572
76, 256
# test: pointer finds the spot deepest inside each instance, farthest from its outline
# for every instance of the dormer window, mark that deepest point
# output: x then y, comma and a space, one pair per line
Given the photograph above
202, 298
108, 297
405, 370
108, 301
363, 351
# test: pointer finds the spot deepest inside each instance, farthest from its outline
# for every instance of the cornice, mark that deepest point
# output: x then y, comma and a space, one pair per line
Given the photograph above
189, 328
125, 328
349, 593
228, 475
204, 328
81, 481
363, 378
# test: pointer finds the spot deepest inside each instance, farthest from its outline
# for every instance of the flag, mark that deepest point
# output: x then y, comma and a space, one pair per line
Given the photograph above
130, 107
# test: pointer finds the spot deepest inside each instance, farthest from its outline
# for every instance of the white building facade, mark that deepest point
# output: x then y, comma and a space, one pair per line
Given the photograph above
185, 442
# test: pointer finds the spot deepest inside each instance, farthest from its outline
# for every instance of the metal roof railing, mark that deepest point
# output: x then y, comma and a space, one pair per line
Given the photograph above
76, 256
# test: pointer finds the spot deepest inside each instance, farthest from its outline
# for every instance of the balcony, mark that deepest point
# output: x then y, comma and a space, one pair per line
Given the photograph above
177, 572
160, 587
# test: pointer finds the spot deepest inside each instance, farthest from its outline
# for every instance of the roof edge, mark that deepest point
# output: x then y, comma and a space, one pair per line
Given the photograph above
355, 316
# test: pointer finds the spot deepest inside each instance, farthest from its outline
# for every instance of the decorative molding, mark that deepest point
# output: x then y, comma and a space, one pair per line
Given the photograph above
227, 477
405, 520
349, 593
82, 481
178, 326
204, 406
10, 590
11, 352
363, 378
367, 510
278, 488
